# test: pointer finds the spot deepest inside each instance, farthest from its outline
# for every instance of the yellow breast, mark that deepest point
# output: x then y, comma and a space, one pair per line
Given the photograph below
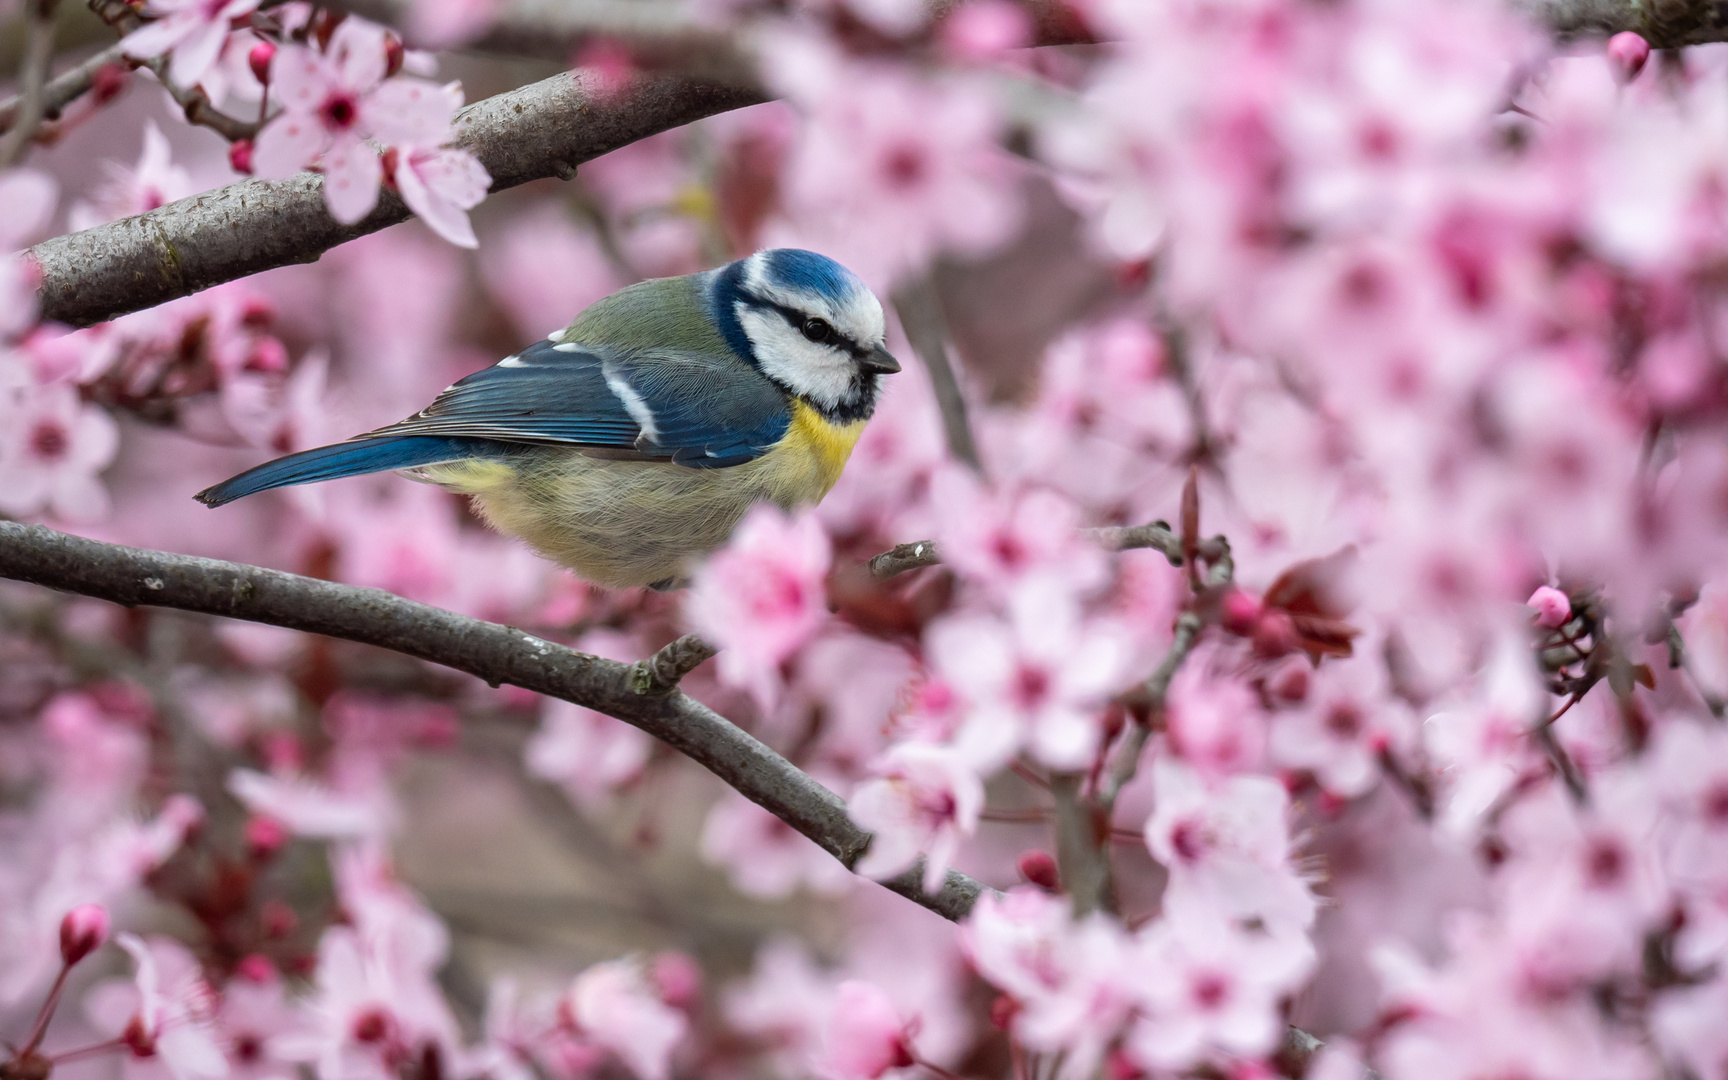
827, 445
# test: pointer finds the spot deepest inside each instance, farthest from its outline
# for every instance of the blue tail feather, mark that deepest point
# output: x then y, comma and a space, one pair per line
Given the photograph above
354, 458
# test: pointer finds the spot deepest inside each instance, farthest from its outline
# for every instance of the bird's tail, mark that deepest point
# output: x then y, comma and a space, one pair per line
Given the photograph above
354, 458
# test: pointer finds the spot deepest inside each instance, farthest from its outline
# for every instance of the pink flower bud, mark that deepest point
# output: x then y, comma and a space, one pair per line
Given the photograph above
1240, 611
259, 60
256, 968
394, 54
1553, 609
1002, 1011
1040, 869
677, 979
265, 836
1627, 52
82, 932
240, 156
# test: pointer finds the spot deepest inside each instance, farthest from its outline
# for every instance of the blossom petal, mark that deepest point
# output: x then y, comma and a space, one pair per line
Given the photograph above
352, 173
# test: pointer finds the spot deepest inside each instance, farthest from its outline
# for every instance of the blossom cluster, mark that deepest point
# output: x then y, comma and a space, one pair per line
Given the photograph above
1325, 634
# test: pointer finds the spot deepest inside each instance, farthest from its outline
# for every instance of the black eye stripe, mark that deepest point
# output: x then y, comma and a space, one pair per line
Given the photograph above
796, 320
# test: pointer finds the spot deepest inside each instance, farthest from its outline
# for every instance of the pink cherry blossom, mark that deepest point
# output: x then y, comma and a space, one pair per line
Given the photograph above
761, 596
866, 1036
925, 800
858, 164
1227, 847
154, 181
164, 1015
613, 1005
1069, 980
1046, 677
1212, 989
765, 857
1213, 720
1345, 721
335, 100
1001, 538
191, 31
587, 753
52, 448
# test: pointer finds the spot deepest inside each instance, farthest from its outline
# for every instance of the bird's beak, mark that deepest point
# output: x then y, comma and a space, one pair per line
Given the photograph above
880, 362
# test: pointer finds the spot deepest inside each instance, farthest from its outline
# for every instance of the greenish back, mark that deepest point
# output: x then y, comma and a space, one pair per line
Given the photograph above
661, 313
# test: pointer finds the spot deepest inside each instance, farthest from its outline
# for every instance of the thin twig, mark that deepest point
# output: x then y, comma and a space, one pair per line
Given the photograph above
198, 108
662, 672
1680, 657
920, 314
66, 87
497, 654
33, 78
902, 558
1148, 701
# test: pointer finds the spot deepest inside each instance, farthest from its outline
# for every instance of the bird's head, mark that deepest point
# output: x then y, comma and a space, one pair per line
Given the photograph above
810, 325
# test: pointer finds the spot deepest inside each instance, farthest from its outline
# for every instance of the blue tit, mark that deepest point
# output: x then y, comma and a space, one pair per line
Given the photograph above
630, 443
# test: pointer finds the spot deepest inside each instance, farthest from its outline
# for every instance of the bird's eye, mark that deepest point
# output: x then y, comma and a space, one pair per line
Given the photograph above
818, 330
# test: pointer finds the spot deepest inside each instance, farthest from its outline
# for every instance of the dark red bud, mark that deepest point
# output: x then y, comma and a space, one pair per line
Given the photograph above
240, 156
394, 53
259, 60
1039, 868
1002, 1011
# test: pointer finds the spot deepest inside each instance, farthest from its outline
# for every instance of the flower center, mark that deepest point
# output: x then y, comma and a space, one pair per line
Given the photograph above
905, 165
49, 441
339, 111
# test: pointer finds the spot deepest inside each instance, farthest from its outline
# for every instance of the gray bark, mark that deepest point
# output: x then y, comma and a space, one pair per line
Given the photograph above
537, 131
639, 695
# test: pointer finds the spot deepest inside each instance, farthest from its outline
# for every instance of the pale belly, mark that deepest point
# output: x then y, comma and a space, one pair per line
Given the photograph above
624, 523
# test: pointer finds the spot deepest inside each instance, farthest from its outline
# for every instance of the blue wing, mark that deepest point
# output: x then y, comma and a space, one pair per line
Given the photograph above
689, 409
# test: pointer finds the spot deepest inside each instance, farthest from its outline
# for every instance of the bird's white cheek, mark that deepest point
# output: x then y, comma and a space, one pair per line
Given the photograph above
815, 371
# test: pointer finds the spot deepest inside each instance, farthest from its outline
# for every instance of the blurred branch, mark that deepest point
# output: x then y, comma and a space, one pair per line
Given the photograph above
1666, 24
920, 314
1082, 845
541, 130
66, 87
498, 654
902, 558
657, 32
32, 79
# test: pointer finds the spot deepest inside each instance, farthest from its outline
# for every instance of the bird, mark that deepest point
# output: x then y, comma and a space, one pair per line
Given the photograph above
629, 444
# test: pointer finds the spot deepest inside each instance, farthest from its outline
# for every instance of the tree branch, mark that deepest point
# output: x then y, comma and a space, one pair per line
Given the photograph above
196, 106
1666, 24
921, 317
66, 87
498, 654
32, 79
537, 131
